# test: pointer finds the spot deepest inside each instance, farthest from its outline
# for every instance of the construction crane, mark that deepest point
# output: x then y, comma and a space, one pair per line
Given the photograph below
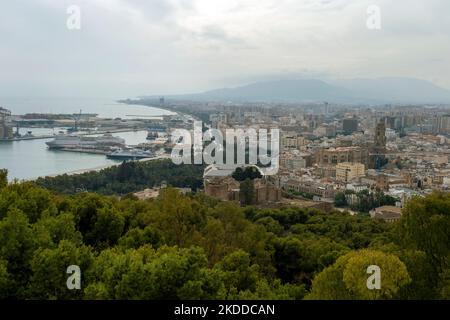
76, 118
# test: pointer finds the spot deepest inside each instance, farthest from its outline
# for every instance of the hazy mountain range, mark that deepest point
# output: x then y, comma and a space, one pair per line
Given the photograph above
370, 91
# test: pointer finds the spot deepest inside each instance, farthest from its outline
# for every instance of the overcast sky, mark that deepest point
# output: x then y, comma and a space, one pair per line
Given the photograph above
134, 47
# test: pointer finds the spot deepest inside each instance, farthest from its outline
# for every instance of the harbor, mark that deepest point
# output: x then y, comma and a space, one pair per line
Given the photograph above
29, 152
30, 159
43, 137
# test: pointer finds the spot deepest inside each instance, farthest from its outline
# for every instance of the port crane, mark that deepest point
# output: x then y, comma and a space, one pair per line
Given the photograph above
76, 118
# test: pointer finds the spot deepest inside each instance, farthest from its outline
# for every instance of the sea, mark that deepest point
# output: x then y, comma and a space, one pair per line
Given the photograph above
30, 159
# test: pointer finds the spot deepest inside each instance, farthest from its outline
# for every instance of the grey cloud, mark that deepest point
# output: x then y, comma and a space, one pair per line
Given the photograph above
177, 46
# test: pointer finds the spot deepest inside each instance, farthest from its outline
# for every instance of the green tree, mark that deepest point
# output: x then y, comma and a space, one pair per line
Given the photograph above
168, 273
347, 278
228, 230
242, 174
238, 272
444, 288
5, 280
271, 225
16, 248
49, 271
178, 218
340, 200
425, 225
49, 230
238, 174
27, 198
247, 192
193, 247
127, 178
275, 290
108, 227
137, 237
296, 259
98, 219
3, 178
422, 276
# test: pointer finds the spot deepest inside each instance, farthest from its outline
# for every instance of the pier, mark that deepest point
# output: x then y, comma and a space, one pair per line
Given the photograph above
79, 134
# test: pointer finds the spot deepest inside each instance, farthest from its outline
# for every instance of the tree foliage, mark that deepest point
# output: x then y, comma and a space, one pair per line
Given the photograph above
242, 174
194, 247
340, 200
425, 227
347, 278
128, 177
3, 178
247, 192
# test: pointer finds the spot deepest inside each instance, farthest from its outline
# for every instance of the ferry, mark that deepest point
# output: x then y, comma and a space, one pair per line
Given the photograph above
83, 142
130, 154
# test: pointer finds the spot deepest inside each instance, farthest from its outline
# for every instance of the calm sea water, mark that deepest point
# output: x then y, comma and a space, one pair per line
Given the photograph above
31, 159
104, 107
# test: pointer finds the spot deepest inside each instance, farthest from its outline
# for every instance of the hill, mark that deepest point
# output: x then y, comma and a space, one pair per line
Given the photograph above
352, 91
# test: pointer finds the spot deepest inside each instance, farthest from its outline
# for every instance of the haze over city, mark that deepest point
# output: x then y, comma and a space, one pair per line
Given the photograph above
127, 48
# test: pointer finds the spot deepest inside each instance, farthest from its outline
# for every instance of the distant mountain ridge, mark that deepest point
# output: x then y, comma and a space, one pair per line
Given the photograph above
370, 91
397, 90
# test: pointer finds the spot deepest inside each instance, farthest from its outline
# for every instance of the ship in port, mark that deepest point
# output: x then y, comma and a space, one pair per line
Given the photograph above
129, 154
105, 142
155, 130
152, 135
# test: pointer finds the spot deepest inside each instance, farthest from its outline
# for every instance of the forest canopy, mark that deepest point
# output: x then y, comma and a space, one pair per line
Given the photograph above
127, 177
194, 247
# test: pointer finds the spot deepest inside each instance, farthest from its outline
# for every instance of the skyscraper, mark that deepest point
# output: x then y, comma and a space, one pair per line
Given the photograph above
380, 136
350, 125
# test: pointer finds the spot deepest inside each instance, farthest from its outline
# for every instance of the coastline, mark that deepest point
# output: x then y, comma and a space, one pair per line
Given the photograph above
135, 102
27, 159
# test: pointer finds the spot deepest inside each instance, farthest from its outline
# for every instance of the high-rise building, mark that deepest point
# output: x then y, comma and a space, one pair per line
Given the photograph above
350, 125
380, 136
444, 124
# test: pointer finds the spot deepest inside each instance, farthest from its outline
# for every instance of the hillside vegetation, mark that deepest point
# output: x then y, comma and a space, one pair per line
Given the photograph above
194, 247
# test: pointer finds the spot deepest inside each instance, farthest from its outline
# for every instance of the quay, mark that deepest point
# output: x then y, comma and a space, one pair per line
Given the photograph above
79, 134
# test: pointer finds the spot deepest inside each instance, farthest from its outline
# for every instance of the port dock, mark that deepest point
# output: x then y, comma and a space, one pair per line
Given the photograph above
43, 137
